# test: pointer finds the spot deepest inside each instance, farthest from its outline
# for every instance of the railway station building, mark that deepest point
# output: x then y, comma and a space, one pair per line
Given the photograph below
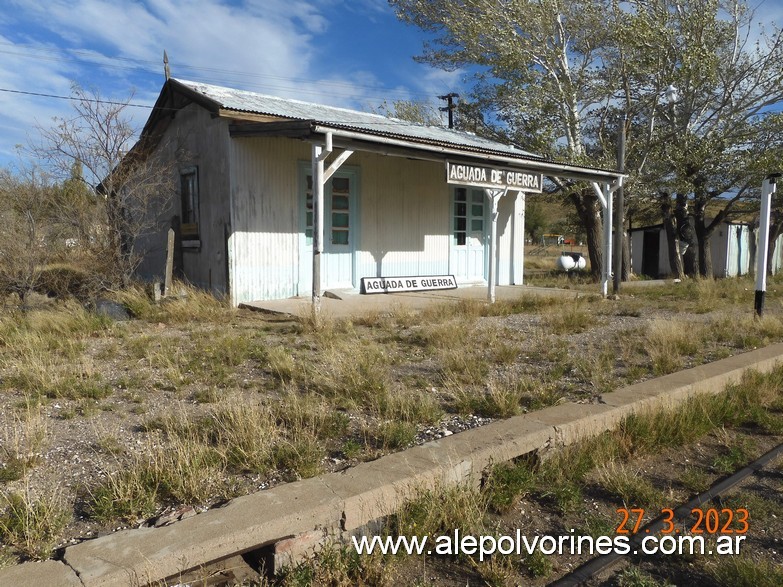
280, 198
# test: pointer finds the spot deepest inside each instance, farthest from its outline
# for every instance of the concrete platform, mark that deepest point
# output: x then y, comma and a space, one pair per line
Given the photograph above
350, 303
295, 518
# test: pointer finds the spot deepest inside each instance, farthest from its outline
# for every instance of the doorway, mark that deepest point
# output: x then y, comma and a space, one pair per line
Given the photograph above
469, 238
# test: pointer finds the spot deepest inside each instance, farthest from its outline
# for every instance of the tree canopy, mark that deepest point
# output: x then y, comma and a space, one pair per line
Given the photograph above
556, 75
93, 152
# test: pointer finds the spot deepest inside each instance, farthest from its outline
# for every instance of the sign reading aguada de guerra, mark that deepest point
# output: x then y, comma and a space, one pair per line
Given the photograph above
493, 177
377, 285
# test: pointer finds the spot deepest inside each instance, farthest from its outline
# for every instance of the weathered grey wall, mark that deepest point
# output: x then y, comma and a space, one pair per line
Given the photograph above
194, 138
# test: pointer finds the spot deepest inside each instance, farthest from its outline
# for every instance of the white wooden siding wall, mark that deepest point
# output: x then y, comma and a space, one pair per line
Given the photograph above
734, 252
265, 221
722, 249
401, 223
745, 253
730, 246
776, 253
739, 254
510, 239
404, 207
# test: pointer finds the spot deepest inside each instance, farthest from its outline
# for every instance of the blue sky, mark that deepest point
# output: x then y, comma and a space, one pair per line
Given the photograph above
352, 53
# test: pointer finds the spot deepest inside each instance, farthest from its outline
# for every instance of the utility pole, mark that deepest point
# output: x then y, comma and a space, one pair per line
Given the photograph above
450, 107
619, 236
768, 188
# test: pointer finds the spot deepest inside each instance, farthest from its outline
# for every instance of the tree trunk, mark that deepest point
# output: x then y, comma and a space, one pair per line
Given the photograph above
672, 237
626, 274
627, 252
775, 229
703, 237
685, 233
587, 209
704, 231
705, 257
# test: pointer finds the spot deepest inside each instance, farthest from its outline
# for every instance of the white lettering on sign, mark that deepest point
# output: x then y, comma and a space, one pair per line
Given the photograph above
468, 174
493, 177
523, 180
373, 285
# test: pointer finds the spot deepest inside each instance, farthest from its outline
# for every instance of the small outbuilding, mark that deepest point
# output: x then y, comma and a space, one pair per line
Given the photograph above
731, 247
281, 198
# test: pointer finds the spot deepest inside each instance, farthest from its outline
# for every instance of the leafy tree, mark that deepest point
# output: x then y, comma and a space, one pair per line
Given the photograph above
710, 149
115, 191
539, 74
557, 74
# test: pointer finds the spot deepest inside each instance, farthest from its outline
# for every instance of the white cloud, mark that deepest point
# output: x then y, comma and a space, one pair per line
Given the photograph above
117, 45
201, 33
270, 46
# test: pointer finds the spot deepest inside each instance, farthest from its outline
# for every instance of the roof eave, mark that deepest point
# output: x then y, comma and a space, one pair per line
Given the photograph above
315, 130
547, 167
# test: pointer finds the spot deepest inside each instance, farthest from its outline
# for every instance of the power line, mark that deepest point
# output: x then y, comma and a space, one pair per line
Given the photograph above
76, 99
148, 107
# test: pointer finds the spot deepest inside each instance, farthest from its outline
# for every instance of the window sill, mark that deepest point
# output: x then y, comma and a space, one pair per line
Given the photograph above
191, 244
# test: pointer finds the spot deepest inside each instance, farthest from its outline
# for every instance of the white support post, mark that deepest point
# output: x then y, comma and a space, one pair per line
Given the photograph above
320, 177
494, 198
518, 245
319, 180
768, 187
318, 223
606, 203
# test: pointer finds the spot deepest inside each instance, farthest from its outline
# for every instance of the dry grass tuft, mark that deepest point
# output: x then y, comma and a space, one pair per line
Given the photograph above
23, 441
570, 318
669, 342
440, 510
187, 304
629, 485
32, 523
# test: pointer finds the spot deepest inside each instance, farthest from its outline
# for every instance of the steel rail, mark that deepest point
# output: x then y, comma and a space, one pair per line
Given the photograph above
596, 565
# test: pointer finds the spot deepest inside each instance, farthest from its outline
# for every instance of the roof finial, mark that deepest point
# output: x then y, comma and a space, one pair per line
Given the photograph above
166, 69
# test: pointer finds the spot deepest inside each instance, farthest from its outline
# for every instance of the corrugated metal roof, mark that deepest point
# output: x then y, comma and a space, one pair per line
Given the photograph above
251, 102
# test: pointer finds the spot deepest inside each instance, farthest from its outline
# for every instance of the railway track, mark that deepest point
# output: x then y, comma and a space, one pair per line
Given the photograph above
683, 515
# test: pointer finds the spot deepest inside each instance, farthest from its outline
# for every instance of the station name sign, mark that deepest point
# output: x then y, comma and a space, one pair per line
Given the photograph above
377, 285
493, 177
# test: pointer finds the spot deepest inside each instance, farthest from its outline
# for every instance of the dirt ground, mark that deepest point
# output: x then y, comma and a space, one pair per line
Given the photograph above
81, 404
